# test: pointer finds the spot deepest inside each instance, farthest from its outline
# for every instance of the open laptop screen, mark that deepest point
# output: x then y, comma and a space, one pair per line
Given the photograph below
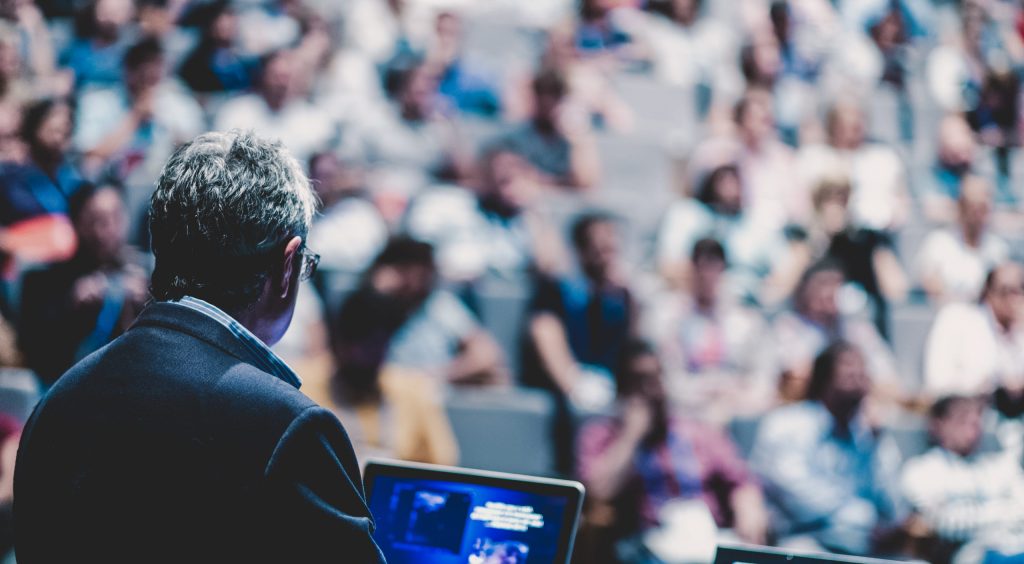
430, 515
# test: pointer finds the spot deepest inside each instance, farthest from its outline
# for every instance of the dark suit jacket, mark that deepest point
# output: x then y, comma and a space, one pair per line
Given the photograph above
170, 445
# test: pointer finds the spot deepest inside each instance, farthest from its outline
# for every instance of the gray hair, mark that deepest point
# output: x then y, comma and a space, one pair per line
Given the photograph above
224, 203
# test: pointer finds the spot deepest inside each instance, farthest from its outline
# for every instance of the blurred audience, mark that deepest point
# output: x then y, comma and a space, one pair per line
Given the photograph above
578, 325
977, 348
276, 109
350, 231
866, 255
556, 139
819, 317
34, 194
134, 125
953, 261
716, 361
970, 502
73, 308
663, 473
878, 190
830, 481
719, 210
102, 38
215, 64
494, 230
774, 167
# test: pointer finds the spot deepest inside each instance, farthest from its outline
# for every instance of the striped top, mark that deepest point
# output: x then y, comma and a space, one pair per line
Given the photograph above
263, 357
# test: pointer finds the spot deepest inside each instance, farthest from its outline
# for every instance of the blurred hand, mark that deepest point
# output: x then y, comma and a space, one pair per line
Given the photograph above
637, 418
143, 105
751, 522
136, 285
89, 290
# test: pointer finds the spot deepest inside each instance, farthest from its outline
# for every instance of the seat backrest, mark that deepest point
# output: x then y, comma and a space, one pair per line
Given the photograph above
504, 430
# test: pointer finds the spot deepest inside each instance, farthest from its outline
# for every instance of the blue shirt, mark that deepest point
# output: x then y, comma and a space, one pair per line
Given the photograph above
835, 486
262, 357
26, 191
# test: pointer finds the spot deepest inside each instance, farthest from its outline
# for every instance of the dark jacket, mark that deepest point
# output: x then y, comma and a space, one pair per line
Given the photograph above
170, 445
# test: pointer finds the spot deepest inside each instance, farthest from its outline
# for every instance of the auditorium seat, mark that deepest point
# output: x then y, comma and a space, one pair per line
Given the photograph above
505, 430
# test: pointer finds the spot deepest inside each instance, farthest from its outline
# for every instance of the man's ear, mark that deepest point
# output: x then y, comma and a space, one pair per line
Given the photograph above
284, 283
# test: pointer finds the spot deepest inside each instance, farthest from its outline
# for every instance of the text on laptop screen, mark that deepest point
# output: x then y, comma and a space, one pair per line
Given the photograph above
441, 522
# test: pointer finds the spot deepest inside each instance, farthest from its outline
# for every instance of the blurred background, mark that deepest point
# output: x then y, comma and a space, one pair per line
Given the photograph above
746, 268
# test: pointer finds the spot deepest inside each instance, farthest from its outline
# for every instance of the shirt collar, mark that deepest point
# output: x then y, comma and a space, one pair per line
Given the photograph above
262, 357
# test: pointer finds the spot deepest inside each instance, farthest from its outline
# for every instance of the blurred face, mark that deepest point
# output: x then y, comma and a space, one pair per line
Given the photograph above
646, 370
145, 76
888, 34
975, 205
278, 77
729, 192
1006, 295
832, 208
960, 430
600, 251
850, 385
509, 179
547, 106
956, 143
112, 15
225, 27
819, 298
10, 63
766, 57
54, 133
847, 128
418, 97
102, 226
685, 11
758, 120
449, 29
707, 279
332, 180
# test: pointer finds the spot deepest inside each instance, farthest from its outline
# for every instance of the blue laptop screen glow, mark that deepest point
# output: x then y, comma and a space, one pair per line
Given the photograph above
440, 522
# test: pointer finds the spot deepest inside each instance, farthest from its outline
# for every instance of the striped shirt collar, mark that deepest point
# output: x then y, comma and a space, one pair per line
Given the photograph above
263, 358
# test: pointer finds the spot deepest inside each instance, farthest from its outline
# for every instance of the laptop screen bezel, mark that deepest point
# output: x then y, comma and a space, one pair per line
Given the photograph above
572, 492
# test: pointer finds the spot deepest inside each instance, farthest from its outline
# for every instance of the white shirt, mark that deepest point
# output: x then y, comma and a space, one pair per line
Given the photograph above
348, 235
468, 242
974, 499
962, 269
967, 354
300, 126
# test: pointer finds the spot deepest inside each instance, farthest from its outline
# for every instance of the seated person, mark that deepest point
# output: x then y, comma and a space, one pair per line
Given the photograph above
556, 140
494, 229
718, 210
956, 160
349, 231
439, 336
215, 64
34, 194
867, 255
971, 502
978, 348
137, 122
953, 261
825, 474
73, 308
715, 355
642, 461
413, 138
578, 326
816, 319
397, 343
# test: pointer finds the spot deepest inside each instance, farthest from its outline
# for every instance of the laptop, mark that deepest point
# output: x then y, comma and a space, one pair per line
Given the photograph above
428, 514
765, 555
